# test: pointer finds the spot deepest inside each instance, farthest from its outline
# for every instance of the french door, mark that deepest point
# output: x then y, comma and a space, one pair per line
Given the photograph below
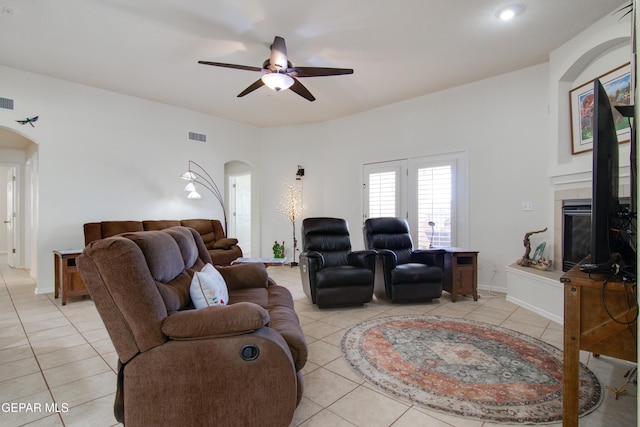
431, 192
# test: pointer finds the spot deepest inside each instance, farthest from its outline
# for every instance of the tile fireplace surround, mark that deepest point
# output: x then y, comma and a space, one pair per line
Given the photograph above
547, 296
568, 194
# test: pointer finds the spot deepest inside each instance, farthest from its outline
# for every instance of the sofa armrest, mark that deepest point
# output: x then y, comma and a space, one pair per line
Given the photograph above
434, 257
389, 259
366, 259
217, 321
310, 263
314, 259
225, 243
243, 276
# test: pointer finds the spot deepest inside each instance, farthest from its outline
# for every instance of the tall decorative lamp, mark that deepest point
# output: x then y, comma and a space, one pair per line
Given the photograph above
291, 207
197, 175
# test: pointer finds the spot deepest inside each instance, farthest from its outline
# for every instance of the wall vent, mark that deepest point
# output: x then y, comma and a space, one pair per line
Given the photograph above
6, 103
199, 137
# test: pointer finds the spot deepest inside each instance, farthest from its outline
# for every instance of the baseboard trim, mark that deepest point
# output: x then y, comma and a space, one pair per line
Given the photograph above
536, 310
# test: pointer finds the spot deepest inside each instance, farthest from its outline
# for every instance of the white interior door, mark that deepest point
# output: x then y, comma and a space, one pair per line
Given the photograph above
10, 217
240, 203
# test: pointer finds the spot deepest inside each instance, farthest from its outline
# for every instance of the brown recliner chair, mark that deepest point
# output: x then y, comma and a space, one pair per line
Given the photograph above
233, 365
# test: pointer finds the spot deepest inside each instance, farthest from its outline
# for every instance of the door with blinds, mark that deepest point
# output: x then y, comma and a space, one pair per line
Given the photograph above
384, 189
433, 205
431, 192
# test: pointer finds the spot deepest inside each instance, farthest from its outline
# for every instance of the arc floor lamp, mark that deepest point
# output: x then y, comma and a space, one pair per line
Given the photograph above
197, 175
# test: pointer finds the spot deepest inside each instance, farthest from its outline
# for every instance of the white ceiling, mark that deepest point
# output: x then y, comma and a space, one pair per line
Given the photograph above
399, 49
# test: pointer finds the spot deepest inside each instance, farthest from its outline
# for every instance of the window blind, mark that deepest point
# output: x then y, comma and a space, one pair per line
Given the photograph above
434, 200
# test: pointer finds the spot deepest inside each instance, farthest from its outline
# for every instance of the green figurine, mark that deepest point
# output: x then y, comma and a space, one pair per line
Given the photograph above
278, 250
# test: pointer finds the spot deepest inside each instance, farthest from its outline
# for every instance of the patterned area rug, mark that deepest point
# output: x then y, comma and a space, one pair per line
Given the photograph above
469, 369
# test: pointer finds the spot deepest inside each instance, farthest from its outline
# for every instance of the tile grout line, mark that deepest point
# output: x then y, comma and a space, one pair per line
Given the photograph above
41, 371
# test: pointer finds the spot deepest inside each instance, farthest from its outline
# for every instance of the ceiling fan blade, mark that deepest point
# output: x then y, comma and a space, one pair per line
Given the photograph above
278, 57
255, 85
318, 71
237, 67
299, 88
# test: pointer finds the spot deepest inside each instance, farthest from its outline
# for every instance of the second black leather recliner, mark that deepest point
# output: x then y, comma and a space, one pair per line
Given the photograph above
333, 275
408, 275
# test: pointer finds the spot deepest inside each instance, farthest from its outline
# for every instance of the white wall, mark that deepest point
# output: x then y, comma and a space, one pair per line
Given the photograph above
503, 121
3, 209
106, 156
517, 130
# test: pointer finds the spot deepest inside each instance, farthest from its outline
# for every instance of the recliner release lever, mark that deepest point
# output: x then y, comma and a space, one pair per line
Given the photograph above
249, 352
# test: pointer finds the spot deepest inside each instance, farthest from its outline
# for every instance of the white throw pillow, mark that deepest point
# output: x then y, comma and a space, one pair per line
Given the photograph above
208, 288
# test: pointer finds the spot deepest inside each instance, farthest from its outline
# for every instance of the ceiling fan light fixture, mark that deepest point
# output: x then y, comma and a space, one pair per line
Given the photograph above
277, 81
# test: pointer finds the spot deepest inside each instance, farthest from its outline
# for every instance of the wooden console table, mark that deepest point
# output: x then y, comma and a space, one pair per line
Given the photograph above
460, 272
588, 326
68, 282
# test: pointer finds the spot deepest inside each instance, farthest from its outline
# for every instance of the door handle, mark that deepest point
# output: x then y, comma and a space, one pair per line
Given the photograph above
7, 222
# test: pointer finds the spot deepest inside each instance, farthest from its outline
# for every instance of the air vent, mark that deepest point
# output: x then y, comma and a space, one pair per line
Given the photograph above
199, 137
6, 103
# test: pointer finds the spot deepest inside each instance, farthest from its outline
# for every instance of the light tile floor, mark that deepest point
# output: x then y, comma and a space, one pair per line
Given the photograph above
59, 362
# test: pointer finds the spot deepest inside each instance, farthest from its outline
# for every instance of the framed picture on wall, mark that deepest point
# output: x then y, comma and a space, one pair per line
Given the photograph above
617, 83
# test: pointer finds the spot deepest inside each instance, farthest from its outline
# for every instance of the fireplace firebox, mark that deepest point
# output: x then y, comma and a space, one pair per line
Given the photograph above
576, 232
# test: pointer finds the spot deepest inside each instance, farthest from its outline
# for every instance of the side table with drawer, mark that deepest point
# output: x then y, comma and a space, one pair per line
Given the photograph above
461, 272
68, 282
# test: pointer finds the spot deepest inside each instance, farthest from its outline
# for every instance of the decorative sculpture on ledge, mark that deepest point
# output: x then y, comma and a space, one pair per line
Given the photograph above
541, 263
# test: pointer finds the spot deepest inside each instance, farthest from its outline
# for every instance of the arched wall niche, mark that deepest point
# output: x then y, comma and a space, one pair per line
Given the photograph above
572, 66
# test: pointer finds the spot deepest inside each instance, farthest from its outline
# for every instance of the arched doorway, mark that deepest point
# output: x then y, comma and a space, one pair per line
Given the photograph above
239, 183
18, 206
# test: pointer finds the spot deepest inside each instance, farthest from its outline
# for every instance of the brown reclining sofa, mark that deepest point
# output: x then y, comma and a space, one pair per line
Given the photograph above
222, 250
232, 365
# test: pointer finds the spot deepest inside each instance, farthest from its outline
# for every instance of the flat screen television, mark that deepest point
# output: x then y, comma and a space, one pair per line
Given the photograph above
610, 223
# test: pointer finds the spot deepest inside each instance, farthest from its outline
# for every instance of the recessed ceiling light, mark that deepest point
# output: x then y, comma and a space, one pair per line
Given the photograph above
509, 12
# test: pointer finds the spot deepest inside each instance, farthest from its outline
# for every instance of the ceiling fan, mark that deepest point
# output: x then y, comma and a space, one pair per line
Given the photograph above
280, 74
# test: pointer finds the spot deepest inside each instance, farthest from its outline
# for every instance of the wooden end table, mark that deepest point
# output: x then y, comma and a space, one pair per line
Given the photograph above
68, 282
460, 272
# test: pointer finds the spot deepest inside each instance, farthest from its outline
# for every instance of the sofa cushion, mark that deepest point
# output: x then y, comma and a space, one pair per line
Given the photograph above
187, 244
344, 275
161, 252
255, 295
112, 228
208, 288
160, 224
210, 231
175, 294
416, 273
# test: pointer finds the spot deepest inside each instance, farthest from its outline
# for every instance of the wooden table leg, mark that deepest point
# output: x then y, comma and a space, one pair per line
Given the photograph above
571, 355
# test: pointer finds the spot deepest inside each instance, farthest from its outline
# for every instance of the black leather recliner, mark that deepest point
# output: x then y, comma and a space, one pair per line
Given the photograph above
333, 275
408, 275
